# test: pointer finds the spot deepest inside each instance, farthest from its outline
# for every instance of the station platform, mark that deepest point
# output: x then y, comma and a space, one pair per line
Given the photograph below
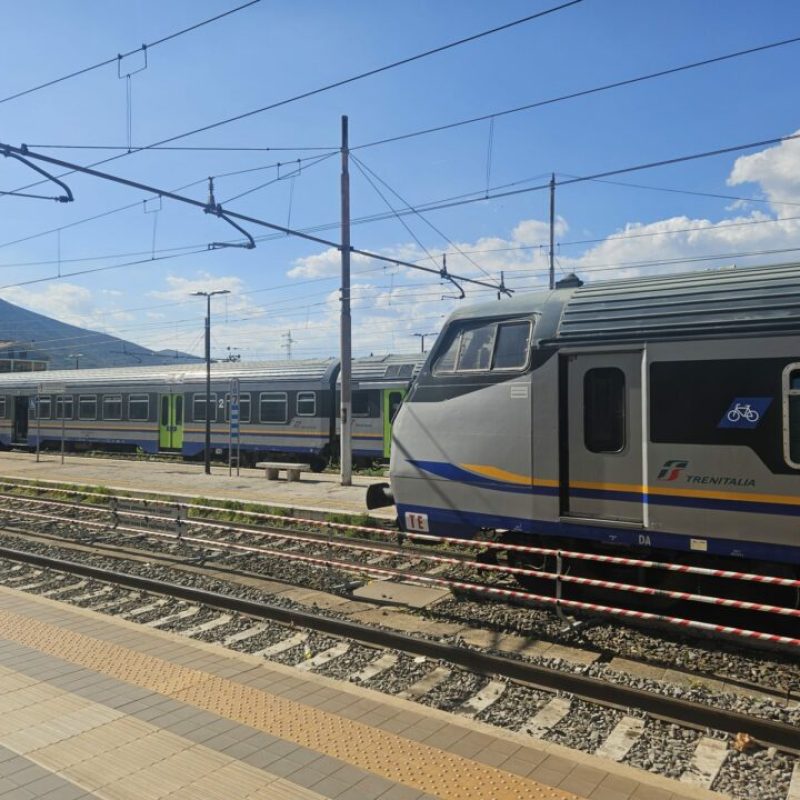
317, 492
94, 707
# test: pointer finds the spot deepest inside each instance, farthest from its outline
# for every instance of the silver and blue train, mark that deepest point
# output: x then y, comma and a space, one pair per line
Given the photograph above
646, 415
287, 409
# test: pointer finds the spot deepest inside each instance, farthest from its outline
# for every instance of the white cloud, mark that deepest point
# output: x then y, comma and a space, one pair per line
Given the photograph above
63, 301
776, 170
327, 264
181, 289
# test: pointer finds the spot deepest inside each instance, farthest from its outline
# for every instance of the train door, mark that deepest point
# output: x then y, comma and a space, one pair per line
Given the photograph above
170, 422
392, 398
601, 437
21, 410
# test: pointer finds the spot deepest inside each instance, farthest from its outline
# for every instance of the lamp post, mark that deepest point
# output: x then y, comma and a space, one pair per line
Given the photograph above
208, 296
77, 357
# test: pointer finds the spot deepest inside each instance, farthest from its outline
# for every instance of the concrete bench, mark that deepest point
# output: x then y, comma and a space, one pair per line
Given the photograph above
272, 468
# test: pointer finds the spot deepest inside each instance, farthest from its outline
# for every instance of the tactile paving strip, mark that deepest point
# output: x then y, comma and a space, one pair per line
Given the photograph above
429, 769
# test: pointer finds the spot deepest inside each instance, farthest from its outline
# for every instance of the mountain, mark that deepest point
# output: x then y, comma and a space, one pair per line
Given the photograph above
68, 346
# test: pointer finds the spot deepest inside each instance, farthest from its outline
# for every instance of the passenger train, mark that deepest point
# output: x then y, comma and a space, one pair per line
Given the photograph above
287, 409
641, 416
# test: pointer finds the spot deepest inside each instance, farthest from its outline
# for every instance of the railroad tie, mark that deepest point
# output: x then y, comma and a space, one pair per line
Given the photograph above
547, 717
165, 621
621, 738
209, 625
145, 609
424, 685
706, 761
324, 657
376, 667
482, 700
29, 587
66, 588
247, 633
794, 784
91, 595
282, 646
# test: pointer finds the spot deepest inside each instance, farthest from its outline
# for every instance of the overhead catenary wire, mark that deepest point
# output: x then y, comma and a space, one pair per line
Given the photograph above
334, 85
581, 93
470, 120
475, 197
661, 73
138, 203
116, 58
217, 210
365, 169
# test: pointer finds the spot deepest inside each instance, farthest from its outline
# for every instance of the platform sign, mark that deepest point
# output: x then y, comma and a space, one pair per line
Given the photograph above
233, 426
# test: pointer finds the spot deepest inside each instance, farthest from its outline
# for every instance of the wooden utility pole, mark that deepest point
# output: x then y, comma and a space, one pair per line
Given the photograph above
552, 229
345, 420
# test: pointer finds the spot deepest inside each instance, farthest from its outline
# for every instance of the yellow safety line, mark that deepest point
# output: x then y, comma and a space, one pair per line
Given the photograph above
426, 768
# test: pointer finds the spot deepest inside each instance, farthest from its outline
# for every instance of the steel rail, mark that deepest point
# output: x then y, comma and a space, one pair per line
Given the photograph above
309, 538
683, 712
558, 602
772, 580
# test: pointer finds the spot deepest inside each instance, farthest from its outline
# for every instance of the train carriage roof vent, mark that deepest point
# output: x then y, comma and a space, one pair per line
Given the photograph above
570, 281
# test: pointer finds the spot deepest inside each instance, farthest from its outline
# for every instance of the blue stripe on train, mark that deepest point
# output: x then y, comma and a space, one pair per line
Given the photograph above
465, 524
454, 473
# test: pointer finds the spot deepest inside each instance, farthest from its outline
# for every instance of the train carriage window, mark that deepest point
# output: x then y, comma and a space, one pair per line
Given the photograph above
44, 407
139, 407
511, 346
112, 406
359, 403
273, 407
87, 406
64, 407
199, 407
604, 410
2, 407
306, 404
244, 407
791, 415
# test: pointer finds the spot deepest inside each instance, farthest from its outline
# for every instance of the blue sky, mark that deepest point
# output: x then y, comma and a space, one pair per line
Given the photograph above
273, 50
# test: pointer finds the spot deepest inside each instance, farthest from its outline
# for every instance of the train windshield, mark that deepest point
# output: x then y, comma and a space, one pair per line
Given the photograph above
484, 346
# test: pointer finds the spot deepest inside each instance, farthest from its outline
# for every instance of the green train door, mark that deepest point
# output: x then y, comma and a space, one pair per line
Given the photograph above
170, 422
392, 398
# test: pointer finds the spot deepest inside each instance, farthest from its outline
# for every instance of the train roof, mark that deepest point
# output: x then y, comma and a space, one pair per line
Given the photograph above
306, 370
392, 369
730, 300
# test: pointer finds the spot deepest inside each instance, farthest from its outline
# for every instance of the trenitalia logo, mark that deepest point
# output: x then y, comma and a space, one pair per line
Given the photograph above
672, 470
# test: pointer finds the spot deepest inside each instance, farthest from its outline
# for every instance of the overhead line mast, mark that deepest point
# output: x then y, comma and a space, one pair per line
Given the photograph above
345, 332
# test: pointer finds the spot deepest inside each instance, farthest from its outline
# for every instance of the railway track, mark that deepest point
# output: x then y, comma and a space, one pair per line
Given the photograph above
646, 727
369, 552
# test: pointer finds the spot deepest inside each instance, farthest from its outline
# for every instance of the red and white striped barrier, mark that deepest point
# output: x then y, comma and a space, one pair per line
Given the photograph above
479, 588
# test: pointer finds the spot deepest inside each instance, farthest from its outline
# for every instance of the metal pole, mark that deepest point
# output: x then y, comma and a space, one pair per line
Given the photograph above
207, 455
552, 229
346, 456
63, 416
38, 421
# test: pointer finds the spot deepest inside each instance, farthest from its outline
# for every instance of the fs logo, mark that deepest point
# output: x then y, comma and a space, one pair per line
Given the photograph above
672, 470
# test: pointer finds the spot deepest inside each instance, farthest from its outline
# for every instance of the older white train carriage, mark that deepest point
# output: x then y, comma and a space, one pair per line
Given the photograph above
286, 408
